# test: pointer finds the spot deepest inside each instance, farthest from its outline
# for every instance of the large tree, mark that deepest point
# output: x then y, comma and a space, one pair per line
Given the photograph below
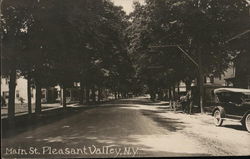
15, 21
200, 28
60, 42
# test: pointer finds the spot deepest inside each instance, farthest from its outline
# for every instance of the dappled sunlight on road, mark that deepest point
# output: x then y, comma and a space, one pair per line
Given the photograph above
150, 126
199, 126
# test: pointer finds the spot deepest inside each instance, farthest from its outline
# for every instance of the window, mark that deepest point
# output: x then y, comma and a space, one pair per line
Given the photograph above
247, 98
17, 94
229, 97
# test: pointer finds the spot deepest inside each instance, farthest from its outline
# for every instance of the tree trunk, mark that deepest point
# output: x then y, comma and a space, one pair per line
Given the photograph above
115, 94
152, 95
99, 94
169, 93
64, 97
12, 89
201, 80
174, 93
81, 91
38, 98
29, 95
87, 94
170, 97
190, 106
160, 94
173, 98
188, 85
93, 96
118, 95
205, 79
61, 94
178, 88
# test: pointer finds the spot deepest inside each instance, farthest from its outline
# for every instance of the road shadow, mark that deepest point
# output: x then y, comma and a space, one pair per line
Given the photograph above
236, 127
132, 101
169, 124
91, 128
143, 101
164, 107
25, 122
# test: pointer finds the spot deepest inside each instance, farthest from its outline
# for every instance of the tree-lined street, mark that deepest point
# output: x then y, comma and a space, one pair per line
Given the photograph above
102, 82
95, 44
134, 123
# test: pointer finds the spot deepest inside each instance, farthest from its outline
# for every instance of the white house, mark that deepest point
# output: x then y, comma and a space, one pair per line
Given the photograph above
21, 90
48, 95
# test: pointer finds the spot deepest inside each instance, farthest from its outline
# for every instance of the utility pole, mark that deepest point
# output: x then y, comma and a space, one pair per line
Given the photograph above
200, 74
201, 80
199, 68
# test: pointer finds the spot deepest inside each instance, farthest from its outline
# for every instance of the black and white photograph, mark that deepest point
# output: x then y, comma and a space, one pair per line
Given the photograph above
125, 78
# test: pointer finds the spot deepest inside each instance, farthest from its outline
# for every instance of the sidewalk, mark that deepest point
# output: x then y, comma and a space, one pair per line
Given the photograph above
23, 109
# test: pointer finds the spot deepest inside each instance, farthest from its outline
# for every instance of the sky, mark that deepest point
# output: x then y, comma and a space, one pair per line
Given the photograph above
126, 4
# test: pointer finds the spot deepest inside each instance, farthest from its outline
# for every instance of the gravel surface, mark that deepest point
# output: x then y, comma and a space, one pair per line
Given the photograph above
127, 128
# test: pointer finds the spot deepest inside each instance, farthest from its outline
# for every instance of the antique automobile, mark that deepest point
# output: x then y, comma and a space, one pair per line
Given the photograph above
232, 103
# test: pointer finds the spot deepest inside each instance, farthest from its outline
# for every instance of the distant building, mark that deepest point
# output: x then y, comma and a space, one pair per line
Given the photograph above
241, 42
238, 74
221, 81
242, 60
49, 95
241, 78
21, 90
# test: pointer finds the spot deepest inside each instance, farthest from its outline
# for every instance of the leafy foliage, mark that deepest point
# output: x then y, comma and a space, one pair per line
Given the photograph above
192, 24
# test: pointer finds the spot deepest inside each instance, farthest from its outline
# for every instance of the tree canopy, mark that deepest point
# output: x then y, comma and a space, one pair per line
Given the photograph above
201, 29
59, 42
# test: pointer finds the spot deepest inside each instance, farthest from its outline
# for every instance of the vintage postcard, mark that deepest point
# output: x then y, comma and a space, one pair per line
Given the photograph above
125, 78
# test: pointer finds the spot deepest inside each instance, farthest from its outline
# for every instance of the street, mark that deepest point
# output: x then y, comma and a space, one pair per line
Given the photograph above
125, 78
130, 128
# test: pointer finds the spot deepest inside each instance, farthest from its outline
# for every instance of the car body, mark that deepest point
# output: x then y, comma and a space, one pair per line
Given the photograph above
233, 103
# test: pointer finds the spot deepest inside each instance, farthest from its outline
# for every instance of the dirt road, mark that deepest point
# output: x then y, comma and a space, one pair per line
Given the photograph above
133, 127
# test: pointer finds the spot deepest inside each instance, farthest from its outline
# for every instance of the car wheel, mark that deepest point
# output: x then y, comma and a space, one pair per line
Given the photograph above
247, 123
217, 118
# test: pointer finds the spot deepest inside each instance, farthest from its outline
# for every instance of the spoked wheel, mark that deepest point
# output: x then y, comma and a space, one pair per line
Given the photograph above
247, 123
217, 118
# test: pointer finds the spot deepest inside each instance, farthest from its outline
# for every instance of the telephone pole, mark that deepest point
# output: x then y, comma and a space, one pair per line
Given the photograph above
198, 66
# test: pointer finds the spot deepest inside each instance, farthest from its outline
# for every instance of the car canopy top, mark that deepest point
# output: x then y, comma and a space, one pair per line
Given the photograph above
233, 90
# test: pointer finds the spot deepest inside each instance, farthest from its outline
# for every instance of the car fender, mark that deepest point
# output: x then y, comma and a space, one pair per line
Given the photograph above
244, 116
222, 110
